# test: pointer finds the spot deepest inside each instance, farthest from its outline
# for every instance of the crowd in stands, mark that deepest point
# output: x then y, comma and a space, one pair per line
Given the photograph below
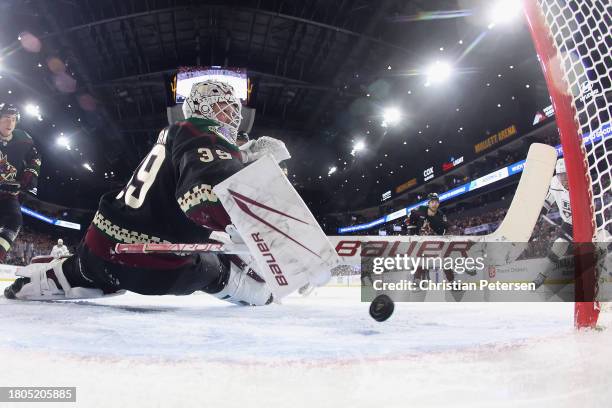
483, 222
477, 169
498, 162
29, 243
551, 139
459, 224
542, 239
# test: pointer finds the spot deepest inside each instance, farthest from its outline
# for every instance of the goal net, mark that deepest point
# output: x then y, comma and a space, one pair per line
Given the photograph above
574, 45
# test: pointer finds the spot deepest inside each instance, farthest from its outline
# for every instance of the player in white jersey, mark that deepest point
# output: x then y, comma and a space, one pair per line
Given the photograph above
558, 194
60, 250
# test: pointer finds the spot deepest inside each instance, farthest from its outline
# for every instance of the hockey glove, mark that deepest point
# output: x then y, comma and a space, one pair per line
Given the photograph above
255, 149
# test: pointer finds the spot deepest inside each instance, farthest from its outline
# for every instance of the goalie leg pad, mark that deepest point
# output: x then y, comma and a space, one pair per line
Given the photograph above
47, 281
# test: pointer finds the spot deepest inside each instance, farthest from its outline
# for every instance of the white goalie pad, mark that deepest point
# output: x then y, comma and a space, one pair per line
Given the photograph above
288, 244
42, 287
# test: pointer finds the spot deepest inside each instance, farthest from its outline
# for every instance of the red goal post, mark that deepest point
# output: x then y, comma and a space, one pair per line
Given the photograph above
572, 39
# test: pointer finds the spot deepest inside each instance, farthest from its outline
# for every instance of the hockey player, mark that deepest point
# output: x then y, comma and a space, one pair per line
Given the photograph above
558, 193
429, 213
432, 215
60, 250
19, 167
168, 199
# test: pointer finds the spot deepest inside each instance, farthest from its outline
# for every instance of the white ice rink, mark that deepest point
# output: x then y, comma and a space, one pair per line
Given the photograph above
320, 351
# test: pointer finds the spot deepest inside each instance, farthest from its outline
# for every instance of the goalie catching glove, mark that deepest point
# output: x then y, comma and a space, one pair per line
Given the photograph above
258, 148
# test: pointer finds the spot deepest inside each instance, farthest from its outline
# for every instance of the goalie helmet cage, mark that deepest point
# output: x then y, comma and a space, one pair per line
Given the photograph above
574, 46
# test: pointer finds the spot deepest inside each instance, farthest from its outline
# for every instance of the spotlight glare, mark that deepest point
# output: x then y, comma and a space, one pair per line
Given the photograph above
88, 167
503, 12
33, 110
438, 72
357, 147
64, 142
332, 170
391, 116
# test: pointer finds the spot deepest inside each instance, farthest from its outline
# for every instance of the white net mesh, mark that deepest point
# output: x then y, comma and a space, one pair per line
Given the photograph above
580, 30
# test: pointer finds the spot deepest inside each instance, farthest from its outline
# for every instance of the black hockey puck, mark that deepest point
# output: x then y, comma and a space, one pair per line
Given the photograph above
381, 308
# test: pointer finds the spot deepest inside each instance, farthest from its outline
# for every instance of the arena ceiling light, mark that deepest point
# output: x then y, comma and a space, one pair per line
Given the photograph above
504, 11
332, 170
391, 116
88, 167
438, 72
357, 147
63, 141
33, 110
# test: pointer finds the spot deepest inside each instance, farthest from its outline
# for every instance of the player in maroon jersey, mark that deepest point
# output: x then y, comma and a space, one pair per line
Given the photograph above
168, 199
19, 167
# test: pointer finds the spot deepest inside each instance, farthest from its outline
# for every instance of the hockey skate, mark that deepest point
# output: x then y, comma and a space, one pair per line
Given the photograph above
46, 281
243, 289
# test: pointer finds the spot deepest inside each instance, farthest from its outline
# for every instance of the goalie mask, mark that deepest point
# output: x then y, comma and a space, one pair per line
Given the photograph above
217, 101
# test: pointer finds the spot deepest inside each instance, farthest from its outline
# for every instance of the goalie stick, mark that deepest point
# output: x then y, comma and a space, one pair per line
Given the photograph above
178, 248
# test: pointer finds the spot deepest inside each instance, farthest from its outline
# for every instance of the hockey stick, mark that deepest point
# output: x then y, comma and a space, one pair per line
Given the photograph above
230, 249
226, 249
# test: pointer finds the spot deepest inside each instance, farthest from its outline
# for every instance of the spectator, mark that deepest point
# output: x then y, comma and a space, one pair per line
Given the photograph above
29, 251
28, 245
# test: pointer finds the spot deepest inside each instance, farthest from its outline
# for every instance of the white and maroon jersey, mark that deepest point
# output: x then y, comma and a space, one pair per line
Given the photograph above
557, 194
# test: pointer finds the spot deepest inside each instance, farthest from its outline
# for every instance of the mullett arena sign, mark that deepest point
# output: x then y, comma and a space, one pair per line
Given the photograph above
495, 139
409, 184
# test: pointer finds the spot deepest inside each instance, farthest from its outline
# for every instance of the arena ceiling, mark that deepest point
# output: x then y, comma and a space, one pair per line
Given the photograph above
325, 72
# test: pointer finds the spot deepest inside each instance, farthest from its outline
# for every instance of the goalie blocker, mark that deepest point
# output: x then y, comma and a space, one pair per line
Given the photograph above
282, 235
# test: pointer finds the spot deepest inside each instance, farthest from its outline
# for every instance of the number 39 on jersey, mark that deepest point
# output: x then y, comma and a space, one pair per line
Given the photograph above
136, 189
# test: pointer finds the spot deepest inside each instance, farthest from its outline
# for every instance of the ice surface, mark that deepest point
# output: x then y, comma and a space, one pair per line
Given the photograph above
319, 351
